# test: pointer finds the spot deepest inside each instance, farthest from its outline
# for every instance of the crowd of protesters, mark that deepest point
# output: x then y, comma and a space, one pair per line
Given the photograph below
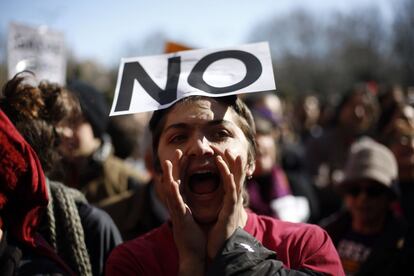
357, 164
75, 184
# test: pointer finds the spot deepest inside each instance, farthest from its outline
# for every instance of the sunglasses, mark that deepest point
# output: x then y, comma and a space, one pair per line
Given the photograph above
370, 191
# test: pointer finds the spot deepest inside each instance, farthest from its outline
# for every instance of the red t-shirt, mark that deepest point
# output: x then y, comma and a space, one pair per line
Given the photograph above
297, 245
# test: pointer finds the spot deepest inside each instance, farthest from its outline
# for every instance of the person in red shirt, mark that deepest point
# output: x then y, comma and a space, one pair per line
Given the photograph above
204, 150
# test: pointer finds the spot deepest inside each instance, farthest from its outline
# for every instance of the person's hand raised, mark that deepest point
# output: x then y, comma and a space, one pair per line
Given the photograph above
232, 213
188, 236
192, 243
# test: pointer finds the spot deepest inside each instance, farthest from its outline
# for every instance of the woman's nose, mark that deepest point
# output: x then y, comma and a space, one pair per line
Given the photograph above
200, 146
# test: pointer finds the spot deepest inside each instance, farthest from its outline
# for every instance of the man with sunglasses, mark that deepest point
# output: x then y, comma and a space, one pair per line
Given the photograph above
367, 226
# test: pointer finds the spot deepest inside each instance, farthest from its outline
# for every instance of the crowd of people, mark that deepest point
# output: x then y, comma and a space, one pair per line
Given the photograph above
238, 185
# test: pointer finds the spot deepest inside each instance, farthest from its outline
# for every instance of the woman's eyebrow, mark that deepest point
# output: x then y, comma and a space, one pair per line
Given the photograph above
210, 123
220, 122
177, 126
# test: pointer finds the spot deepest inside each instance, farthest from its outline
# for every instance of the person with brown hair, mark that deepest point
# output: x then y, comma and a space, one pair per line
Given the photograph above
82, 234
279, 180
204, 150
91, 166
355, 116
270, 191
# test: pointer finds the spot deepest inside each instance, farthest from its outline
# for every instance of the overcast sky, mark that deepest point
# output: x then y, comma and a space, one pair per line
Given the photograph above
99, 29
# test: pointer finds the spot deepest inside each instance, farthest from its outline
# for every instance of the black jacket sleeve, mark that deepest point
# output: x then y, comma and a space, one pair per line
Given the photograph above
9, 257
243, 255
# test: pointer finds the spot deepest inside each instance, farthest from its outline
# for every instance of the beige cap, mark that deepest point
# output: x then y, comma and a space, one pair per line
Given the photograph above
369, 159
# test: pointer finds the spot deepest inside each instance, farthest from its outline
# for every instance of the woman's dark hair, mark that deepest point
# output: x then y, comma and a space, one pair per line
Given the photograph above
246, 124
35, 110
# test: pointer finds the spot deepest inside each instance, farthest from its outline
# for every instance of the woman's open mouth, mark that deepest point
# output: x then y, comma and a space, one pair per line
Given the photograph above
203, 182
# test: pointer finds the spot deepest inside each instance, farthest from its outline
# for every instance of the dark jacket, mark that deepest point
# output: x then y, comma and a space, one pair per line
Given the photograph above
135, 211
82, 234
17, 258
244, 255
387, 255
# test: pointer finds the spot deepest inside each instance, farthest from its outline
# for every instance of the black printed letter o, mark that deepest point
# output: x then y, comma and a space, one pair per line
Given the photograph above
253, 71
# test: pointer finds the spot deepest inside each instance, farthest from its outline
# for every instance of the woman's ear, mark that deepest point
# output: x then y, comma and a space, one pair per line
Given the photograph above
250, 169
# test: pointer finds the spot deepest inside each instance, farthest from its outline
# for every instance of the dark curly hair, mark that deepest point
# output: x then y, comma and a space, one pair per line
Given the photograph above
36, 110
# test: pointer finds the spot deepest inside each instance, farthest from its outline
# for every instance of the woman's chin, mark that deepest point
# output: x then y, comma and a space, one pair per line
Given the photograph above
205, 217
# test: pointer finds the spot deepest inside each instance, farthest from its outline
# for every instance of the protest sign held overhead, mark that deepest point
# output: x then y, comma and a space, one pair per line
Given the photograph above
156, 82
37, 49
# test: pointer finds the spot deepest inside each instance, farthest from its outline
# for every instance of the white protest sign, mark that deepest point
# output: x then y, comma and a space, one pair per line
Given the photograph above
37, 49
156, 82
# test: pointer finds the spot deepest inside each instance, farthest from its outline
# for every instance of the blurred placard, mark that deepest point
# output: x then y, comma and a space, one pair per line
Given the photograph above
38, 49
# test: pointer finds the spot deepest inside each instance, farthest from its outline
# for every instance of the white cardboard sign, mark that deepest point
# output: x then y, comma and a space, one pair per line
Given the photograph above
156, 82
37, 49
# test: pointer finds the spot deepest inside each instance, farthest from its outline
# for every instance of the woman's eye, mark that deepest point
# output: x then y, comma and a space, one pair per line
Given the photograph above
179, 138
221, 134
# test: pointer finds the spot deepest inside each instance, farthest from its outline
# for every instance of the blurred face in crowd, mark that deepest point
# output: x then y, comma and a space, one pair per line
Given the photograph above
367, 201
357, 113
77, 140
202, 129
311, 109
266, 154
401, 142
307, 109
271, 103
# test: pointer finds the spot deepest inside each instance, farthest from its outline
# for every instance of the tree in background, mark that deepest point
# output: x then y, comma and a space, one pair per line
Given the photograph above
94, 73
329, 53
404, 41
